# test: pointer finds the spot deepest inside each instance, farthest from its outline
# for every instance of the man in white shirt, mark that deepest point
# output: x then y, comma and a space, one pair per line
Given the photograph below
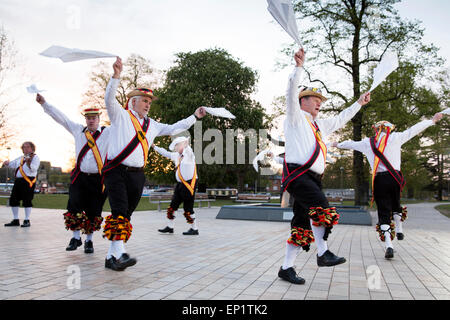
132, 132
86, 196
383, 151
23, 190
187, 179
305, 154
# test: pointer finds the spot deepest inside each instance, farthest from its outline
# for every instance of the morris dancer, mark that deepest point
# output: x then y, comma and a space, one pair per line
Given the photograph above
383, 151
86, 191
26, 168
132, 132
304, 164
187, 179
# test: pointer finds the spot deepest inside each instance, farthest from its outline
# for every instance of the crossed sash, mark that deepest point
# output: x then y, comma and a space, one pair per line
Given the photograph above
289, 176
379, 156
90, 145
139, 138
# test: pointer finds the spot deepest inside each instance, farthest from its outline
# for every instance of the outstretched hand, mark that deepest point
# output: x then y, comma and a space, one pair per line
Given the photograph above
438, 116
299, 57
334, 144
40, 99
200, 112
364, 99
117, 67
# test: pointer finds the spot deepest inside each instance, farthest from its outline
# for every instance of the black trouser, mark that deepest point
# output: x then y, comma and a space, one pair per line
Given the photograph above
307, 192
386, 192
85, 194
22, 191
182, 194
124, 186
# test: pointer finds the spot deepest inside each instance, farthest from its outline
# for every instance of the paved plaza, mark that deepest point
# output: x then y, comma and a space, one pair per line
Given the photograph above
230, 259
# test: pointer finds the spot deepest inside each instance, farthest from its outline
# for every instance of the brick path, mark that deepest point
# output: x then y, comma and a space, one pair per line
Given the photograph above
230, 259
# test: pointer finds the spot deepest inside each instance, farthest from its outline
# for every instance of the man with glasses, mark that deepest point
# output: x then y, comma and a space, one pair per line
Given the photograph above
304, 164
383, 151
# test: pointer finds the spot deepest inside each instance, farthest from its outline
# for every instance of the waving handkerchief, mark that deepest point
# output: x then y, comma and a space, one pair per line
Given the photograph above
259, 157
33, 89
219, 112
283, 12
68, 55
387, 65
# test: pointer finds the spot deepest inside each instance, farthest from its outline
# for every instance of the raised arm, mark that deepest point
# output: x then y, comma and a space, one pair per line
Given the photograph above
292, 103
165, 153
58, 116
332, 124
360, 146
112, 106
410, 133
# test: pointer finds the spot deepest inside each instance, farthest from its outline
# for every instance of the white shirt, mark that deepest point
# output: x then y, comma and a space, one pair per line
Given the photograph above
187, 164
30, 171
122, 129
300, 140
392, 152
88, 163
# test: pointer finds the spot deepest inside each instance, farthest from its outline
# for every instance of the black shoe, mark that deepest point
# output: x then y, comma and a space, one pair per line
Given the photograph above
400, 236
88, 247
74, 244
329, 259
26, 223
290, 275
125, 261
111, 263
191, 232
166, 230
13, 223
389, 253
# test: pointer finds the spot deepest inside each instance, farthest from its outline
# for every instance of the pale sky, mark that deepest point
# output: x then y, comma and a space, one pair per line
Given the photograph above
155, 29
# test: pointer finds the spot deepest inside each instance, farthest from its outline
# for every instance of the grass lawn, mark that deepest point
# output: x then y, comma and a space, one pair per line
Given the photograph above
59, 201
444, 209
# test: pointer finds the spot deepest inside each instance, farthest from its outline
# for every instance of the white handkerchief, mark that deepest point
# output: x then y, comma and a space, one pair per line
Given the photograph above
387, 65
446, 111
33, 89
283, 12
68, 55
259, 157
219, 112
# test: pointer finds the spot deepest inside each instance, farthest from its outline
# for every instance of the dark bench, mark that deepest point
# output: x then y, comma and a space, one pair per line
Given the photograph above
165, 197
250, 198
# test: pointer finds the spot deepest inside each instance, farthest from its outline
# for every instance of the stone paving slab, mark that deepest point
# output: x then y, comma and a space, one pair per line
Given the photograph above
229, 260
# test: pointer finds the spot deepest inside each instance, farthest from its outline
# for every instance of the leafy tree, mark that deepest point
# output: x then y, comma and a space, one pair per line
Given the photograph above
347, 38
212, 78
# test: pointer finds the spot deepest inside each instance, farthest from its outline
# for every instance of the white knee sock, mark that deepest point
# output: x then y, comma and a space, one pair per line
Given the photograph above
290, 255
76, 234
194, 224
398, 223
387, 236
110, 251
171, 223
318, 236
118, 248
27, 213
15, 211
89, 237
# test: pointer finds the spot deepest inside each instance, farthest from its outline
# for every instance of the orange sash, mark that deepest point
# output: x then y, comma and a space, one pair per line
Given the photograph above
381, 147
22, 172
190, 187
318, 137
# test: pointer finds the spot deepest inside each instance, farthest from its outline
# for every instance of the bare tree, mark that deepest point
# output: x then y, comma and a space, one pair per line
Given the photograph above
7, 65
138, 72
